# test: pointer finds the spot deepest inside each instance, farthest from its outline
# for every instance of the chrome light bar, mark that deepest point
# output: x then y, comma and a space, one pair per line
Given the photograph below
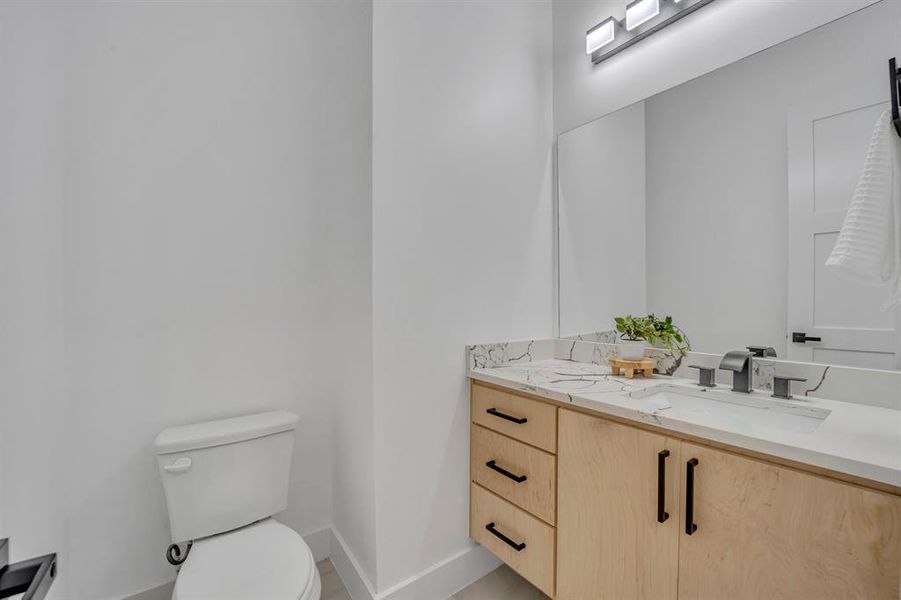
643, 18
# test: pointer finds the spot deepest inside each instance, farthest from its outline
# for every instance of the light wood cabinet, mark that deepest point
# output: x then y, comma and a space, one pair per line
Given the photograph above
523, 542
765, 531
611, 542
531, 421
635, 521
524, 475
513, 489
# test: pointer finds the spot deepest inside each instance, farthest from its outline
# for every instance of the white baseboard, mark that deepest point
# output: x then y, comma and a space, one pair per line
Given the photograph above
349, 570
438, 582
320, 543
446, 578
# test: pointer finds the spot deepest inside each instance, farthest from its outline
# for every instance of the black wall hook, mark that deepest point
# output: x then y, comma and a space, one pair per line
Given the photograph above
895, 86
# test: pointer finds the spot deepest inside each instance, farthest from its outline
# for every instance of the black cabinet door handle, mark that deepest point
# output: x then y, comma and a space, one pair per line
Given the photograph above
662, 515
690, 526
518, 420
517, 478
518, 547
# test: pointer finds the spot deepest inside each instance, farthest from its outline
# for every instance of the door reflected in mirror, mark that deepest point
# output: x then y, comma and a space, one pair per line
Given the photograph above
719, 201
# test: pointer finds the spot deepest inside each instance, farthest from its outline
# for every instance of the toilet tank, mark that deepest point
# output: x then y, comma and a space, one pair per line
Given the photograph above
224, 474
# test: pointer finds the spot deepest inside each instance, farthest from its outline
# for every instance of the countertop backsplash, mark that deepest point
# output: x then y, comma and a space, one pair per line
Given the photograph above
848, 384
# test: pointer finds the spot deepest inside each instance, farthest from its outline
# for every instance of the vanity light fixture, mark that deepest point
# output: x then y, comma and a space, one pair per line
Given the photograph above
643, 18
600, 35
641, 11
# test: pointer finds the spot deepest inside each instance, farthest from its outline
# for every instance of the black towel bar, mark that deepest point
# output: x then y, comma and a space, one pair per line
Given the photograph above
895, 87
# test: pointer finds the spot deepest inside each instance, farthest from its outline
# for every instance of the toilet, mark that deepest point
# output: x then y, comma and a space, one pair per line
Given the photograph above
223, 481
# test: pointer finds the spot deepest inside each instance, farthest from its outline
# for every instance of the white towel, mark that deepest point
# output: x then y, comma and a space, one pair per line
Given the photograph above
868, 248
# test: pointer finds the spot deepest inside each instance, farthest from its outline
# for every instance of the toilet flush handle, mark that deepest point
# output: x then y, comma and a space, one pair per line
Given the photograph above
179, 466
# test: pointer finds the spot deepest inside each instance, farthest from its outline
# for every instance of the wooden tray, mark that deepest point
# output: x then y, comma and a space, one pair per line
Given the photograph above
643, 367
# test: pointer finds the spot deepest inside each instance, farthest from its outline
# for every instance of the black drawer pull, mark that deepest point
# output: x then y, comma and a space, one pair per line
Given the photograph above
690, 526
517, 478
497, 413
662, 515
518, 547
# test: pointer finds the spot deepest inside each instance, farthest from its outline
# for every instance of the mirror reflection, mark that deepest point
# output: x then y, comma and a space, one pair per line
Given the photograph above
720, 202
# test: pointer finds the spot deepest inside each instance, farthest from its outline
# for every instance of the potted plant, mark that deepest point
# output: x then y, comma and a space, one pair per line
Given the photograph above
666, 337
669, 342
633, 333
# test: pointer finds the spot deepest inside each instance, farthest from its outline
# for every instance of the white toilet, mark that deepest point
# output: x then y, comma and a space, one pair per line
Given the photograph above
223, 481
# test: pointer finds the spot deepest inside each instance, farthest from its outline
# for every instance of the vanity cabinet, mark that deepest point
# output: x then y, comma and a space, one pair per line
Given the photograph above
617, 529
513, 488
645, 516
766, 531
590, 508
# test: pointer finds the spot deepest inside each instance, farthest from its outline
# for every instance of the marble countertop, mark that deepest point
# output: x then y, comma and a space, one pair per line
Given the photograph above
856, 439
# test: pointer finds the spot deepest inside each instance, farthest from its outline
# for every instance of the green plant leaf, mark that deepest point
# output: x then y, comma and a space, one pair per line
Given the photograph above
661, 333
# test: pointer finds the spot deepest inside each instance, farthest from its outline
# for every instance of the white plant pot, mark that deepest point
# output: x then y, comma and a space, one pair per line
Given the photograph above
631, 350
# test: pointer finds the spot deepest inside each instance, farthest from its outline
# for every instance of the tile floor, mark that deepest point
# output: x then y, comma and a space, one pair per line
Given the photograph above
500, 584
332, 586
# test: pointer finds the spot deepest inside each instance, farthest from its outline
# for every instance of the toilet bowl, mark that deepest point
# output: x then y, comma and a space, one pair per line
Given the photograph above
223, 481
265, 561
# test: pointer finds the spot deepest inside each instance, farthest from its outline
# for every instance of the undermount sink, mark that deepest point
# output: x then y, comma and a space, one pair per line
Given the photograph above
739, 410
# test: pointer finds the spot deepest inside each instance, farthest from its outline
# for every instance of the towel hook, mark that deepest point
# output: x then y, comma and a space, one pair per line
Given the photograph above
895, 87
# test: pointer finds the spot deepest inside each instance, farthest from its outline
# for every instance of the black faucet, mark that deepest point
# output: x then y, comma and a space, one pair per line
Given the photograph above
739, 362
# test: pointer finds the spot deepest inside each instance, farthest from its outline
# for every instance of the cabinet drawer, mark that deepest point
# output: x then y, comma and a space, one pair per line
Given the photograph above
533, 554
531, 421
524, 475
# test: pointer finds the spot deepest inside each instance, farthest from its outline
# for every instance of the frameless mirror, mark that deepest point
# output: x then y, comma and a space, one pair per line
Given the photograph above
719, 202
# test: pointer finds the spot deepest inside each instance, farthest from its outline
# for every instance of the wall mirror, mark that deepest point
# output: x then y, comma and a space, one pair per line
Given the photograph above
719, 201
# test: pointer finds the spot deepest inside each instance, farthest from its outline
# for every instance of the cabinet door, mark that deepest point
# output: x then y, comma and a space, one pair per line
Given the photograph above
610, 544
765, 531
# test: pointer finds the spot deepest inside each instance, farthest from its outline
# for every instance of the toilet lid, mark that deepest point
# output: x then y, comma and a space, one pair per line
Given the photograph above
264, 560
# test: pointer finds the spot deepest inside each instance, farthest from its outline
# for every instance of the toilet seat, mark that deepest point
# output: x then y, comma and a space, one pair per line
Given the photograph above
262, 561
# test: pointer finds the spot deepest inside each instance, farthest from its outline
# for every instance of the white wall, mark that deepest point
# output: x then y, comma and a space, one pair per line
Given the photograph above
32, 379
601, 216
187, 206
353, 444
717, 180
462, 244
717, 35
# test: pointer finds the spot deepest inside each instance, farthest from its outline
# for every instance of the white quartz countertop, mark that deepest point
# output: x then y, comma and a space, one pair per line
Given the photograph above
856, 439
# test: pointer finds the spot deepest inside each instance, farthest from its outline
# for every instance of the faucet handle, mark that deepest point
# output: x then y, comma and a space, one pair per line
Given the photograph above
782, 386
706, 375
